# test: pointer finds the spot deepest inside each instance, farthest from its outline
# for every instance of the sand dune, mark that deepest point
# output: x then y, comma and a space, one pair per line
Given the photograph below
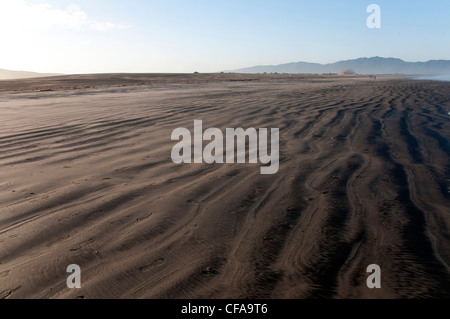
87, 179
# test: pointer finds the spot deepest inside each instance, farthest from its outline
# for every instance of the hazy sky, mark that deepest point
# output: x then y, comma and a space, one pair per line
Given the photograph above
90, 36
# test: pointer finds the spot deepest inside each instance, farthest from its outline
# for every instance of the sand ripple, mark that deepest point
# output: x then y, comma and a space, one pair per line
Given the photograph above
87, 179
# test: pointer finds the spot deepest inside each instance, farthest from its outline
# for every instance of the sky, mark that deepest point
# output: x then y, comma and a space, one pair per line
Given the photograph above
103, 36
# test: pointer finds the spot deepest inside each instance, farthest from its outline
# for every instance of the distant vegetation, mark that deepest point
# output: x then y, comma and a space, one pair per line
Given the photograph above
348, 72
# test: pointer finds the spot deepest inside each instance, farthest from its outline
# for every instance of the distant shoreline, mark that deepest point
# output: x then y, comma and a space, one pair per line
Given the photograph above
445, 78
95, 81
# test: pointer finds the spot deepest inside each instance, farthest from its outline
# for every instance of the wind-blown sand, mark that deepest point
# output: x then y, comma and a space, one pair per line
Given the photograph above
86, 178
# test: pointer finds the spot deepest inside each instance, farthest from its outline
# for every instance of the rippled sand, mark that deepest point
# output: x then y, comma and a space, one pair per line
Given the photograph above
86, 178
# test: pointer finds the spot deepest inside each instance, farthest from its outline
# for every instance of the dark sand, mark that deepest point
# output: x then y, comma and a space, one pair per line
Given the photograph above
86, 178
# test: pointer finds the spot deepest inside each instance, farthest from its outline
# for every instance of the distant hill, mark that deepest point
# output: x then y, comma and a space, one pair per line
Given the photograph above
12, 75
375, 65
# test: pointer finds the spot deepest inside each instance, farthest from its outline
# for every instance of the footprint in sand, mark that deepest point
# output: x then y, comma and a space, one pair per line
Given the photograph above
139, 219
156, 263
79, 181
207, 270
57, 240
6, 293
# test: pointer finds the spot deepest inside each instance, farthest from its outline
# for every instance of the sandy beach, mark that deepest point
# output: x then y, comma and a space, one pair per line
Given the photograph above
86, 178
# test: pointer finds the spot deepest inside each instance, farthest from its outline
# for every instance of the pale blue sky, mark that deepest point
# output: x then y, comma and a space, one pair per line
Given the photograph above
90, 36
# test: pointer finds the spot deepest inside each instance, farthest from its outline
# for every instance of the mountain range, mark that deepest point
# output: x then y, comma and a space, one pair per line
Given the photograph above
374, 65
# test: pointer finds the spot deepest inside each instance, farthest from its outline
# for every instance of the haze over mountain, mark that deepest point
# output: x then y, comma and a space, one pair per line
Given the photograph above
374, 65
12, 75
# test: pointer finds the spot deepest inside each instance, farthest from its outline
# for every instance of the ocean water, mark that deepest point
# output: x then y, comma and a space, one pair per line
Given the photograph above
434, 77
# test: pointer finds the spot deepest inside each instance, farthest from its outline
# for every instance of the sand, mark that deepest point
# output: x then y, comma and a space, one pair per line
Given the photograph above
86, 178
